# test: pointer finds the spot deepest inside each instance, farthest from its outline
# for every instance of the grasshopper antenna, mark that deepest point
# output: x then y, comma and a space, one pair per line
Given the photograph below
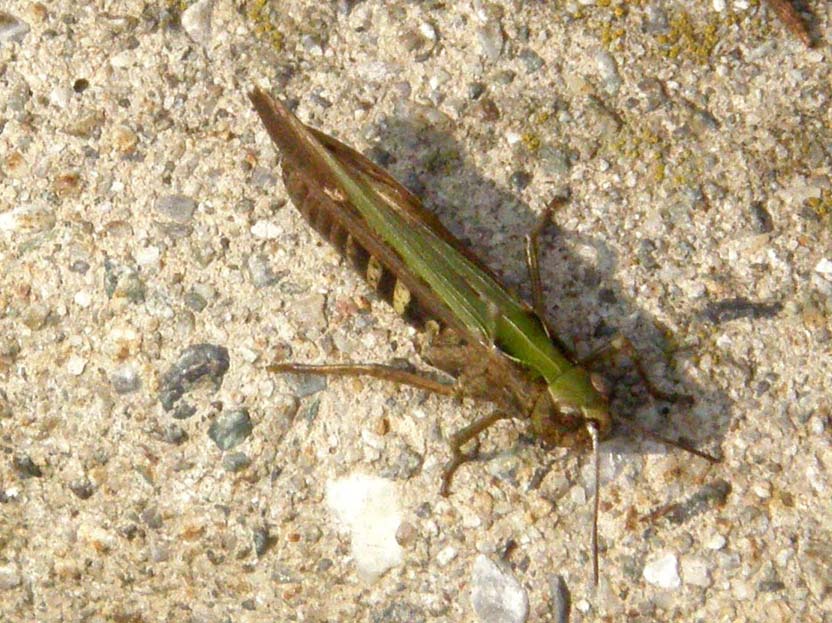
592, 429
668, 442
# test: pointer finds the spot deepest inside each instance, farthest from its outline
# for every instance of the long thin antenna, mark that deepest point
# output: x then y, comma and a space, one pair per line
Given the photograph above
592, 429
668, 442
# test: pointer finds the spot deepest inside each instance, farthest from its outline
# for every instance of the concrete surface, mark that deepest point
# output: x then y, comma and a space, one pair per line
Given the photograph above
152, 469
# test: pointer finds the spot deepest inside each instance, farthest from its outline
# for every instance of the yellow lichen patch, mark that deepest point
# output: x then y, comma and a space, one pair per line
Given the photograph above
258, 14
401, 297
531, 141
374, 272
684, 37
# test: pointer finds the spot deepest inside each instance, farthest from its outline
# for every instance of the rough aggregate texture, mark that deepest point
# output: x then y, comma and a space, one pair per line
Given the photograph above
142, 215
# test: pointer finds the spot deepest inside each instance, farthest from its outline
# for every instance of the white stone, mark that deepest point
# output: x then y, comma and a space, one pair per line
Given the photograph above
75, 366
824, 268
663, 571
496, 595
148, 256
123, 60
369, 508
695, 572
196, 20
9, 577
28, 219
577, 495
60, 96
266, 230
716, 542
82, 298
446, 555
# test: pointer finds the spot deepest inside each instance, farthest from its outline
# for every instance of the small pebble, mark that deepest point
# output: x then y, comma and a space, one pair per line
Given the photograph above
608, 71
446, 555
26, 467
716, 542
194, 363
532, 60
824, 268
9, 577
490, 36
266, 230
125, 379
475, 90
235, 461
75, 366
369, 507
178, 208
231, 429
561, 599
12, 29
260, 271
175, 434
196, 20
496, 595
695, 572
82, 299
663, 571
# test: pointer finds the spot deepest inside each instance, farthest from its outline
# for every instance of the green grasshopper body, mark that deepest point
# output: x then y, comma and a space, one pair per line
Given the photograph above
429, 277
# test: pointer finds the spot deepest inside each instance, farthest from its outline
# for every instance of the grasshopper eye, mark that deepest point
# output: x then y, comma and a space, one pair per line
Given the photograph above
601, 384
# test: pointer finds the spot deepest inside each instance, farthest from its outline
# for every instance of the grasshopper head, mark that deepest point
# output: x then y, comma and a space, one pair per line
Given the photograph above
573, 400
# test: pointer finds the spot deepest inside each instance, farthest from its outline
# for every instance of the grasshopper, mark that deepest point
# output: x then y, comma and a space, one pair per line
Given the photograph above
498, 348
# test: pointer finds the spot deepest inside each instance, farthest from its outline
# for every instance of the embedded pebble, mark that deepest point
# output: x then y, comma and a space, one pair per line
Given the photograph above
235, 461
262, 540
446, 555
196, 20
496, 595
60, 97
816, 563
82, 299
28, 219
194, 363
177, 208
9, 578
306, 384
824, 268
308, 312
125, 379
231, 429
12, 29
195, 301
121, 281
695, 571
75, 366
532, 60
663, 571
148, 257
561, 599
266, 230
260, 270
369, 508
123, 59
491, 39
608, 71
716, 542
26, 467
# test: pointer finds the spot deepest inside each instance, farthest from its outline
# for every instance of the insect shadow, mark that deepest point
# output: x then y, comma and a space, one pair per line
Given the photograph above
585, 304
